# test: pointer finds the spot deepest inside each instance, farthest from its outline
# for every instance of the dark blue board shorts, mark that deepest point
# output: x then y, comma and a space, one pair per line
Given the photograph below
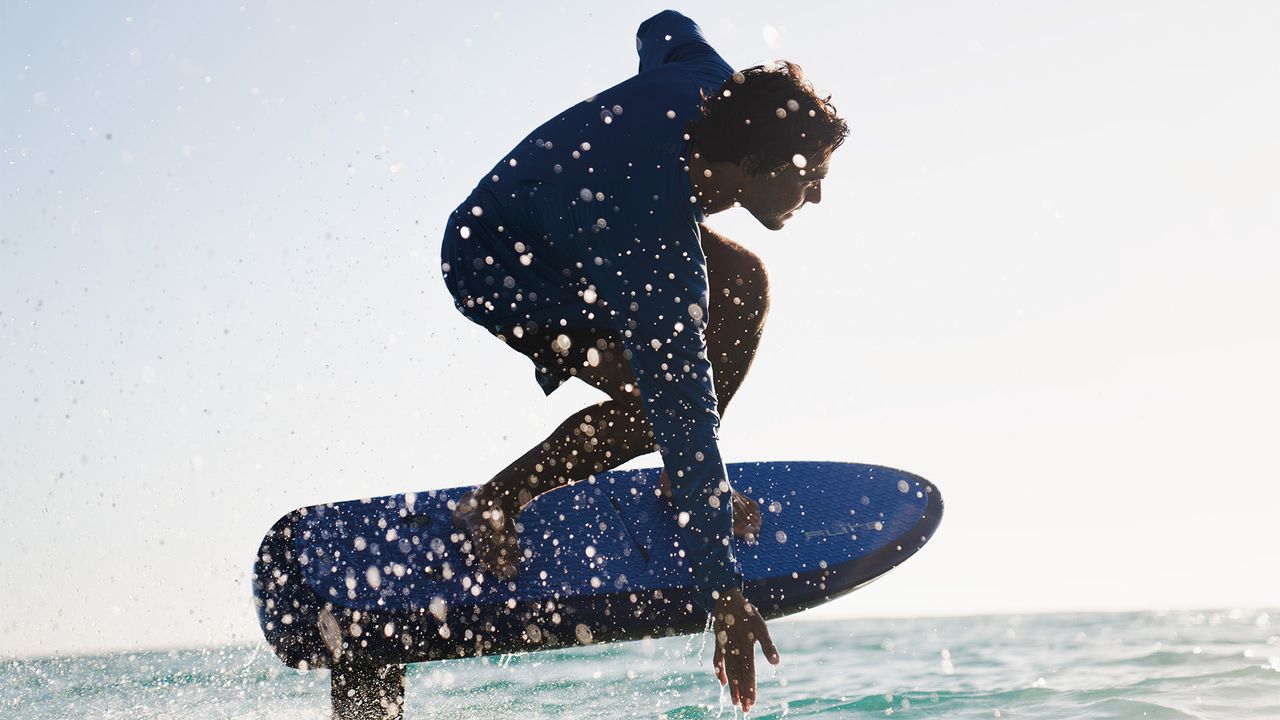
557, 353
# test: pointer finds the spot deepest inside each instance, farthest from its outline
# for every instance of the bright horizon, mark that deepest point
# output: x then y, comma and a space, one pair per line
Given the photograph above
1043, 276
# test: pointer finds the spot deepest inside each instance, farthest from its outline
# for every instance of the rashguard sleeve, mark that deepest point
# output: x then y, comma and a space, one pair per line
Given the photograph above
659, 295
670, 37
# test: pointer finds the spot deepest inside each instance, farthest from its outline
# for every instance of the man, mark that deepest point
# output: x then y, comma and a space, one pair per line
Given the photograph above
584, 249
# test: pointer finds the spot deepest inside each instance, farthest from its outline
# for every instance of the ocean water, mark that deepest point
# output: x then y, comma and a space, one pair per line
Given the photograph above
1206, 664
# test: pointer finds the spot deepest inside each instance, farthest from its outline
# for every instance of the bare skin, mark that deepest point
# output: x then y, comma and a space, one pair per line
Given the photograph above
772, 195
609, 433
738, 628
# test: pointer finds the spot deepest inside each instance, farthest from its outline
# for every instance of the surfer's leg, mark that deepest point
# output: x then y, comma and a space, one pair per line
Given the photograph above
607, 434
595, 439
739, 307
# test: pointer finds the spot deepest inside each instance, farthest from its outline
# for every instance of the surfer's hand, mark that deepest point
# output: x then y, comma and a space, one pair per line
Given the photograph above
738, 628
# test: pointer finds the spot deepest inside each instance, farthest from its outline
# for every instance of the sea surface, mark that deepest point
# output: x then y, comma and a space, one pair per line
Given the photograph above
1205, 664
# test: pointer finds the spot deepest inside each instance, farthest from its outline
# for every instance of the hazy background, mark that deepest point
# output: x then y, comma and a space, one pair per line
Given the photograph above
1044, 275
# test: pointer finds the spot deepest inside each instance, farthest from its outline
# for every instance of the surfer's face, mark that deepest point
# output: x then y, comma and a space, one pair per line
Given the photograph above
773, 196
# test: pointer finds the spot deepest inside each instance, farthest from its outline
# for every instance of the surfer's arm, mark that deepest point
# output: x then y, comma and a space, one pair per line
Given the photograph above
659, 297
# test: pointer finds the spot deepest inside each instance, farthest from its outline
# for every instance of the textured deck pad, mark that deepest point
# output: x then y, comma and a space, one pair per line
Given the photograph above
390, 579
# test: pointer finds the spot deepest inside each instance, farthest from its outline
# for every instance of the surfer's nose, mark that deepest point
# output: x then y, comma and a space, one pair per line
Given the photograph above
814, 194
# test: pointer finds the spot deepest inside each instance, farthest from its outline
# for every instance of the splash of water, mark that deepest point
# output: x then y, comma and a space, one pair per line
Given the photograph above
706, 632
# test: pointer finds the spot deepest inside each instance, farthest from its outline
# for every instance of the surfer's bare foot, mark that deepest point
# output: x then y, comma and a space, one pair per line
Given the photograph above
493, 535
746, 516
746, 512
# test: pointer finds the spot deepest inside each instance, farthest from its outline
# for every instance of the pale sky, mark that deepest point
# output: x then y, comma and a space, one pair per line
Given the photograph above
1043, 275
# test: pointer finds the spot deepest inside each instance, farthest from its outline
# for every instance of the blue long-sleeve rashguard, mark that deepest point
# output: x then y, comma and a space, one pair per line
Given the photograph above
590, 223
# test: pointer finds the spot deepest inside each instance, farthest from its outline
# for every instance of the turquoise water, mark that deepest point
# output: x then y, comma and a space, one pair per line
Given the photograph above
1210, 664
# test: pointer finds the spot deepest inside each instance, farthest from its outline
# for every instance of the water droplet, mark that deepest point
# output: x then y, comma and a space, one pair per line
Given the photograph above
438, 608
781, 537
772, 37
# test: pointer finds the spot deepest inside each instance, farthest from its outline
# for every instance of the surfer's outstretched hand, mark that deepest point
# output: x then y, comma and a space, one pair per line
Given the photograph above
738, 628
492, 531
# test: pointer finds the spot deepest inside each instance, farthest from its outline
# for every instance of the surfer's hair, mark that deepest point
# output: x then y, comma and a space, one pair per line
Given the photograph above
766, 115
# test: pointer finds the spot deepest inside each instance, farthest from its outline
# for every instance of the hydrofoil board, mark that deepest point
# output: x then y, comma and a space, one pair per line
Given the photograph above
389, 580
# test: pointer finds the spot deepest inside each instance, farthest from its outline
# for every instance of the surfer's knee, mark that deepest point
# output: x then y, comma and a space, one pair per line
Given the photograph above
739, 281
751, 288
608, 369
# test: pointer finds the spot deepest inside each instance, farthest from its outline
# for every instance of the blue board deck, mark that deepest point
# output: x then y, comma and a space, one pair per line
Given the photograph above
387, 580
